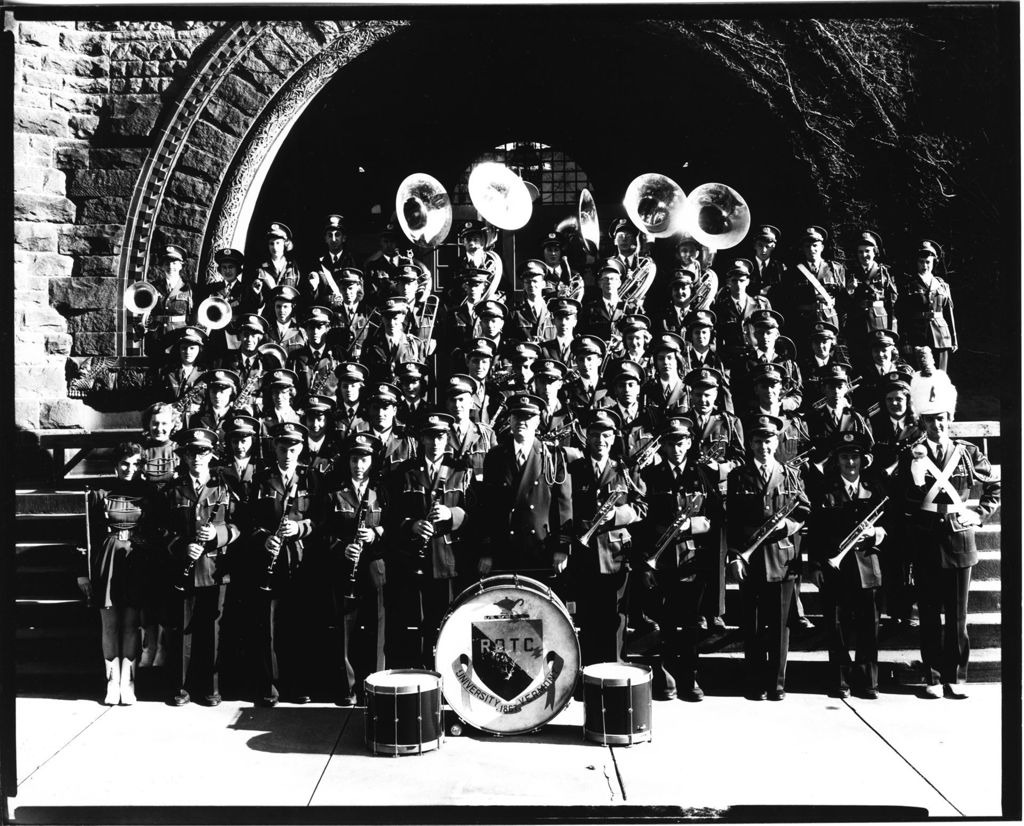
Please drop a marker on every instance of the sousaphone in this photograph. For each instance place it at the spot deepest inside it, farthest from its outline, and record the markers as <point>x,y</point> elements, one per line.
<point>424,210</point>
<point>716,216</point>
<point>213,313</point>
<point>653,203</point>
<point>587,224</point>
<point>500,196</point>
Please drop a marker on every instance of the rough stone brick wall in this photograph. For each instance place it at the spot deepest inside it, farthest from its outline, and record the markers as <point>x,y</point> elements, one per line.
<point>86,99</point>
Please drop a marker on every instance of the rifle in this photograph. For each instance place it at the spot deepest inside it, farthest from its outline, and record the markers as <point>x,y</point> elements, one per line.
<point>853,537</point>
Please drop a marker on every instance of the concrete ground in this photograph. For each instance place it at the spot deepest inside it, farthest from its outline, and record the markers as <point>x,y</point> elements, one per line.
<point>726,757</point>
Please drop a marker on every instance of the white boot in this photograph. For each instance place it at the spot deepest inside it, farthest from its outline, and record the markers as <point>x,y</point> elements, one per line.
<point>127,682</point>
<point>113,682</point>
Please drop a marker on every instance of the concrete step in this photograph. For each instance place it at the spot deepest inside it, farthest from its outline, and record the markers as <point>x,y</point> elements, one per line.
<point>47,553</point>
<point>46,582</point>
<point>985,596</point>
<point>40,501</point>
<point>989,565</point>
<point>987,537</point>
<point>51,528</point>
<point>66,613</point>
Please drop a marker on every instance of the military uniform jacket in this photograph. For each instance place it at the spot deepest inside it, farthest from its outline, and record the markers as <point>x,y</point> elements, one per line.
<point>721,439</point>
<point>802,305</point>
<point>529,509</point>
<point>671,319</point>
<point>794,439</point>
<point>289,276</point>
<point>611,546</point>
<point>890,441</point>
<point>636,429</point>
<point>871,388</point>
<point>290,336</point>
<point>667,498</point>
<point>240,479</point>
<point>340,520</point>
<point>353,324</point>
<point>823,426</point>
<point>792,380</point>
<point>381,356</point>
<point>872,300</point>
<point>579,397</point>
<point>555,349</point>
<point>750,502</point>
<point>179,385</point>
<point>597,320</point>
<point>730,319</point>
<point>183,511</point>
<point>528,325</point>
<point>265,510</point>
<point>314,368</point>
<point>765,277</point>
<point>344,421</point>
<point>662,403</point>
<point>811,373</point>
<point>925,314</point>
<point>834,515</point>
<point>250,372</point>
<point>411,494</point>
<point>399,445</point>
<point>469,450</point>
<point>931,534</point>
<point>332,266</point>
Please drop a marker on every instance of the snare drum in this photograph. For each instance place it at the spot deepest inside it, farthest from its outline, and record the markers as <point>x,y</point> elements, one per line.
<point>403,711</point>
<point>508,655</point>
<point>617,703</point>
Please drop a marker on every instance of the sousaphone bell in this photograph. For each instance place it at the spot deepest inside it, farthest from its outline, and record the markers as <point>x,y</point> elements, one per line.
<point>587,224</point>
<point>500,196</point>
<point>141,297</point>
<point>424,210</point>
<point>716,216</point>
<point>213,313</point>
<point>653,203</point>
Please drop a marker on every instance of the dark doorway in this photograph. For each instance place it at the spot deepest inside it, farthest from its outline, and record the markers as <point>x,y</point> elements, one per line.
<point>619,96</point>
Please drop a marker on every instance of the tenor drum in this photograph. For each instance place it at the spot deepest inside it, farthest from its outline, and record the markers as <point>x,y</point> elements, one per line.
<point>403,711</point>
<point>508,655</point>
<point>617,703</point>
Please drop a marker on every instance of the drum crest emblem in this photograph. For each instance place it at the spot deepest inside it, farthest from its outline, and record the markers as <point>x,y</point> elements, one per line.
<point>508,650</point>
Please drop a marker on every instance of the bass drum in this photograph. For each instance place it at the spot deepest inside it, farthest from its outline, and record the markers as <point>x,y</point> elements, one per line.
<point>508,655</point>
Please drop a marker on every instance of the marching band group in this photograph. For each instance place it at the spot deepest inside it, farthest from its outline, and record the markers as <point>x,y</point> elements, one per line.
<point>355,448</point>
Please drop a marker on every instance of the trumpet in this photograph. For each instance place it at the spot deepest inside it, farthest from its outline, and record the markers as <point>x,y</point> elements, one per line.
<point>607,506</point>
<point>673,530</point>
<point>643,454</point>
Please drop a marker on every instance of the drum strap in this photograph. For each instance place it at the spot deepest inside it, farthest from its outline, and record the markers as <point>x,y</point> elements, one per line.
<point>820,290</point>
<point>942,482</point>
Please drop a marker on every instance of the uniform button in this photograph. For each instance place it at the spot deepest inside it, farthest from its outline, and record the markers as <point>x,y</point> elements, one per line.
<point>532,530</point>
<point>531,507</point>
<point>536,483</point>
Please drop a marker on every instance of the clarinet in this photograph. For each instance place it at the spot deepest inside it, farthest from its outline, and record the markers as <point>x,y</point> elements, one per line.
<point>273,557</point>
<point>186,576</point>
<point>424,543</point>
<point>351,592</point>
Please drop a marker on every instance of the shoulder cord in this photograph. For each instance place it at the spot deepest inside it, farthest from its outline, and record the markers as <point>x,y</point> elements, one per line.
<point>551,474</point>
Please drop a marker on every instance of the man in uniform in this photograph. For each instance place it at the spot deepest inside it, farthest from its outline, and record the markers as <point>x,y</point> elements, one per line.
<point>584,391</point>
<point>227,284</point>
<point>284,329</point>
<point>313,363</point>
<point>767,349</point>
<point>933,483</point>
<point>605,502</point>
<point>280,270</point>
<point>413,379</point>
<point>672,319</point>
<point>733,309</point>
<point>823,355</point>
<point>479,355</point>
<point>556,418</point>
<point>601,315</point>
<point>763,557</point>
<point>392,345</point>
<point>530,319</point>
<point>428,515</point>
<point>558,274</point>
<point>924,308</point>
<point>836,415</point>
<point>349,396</point>
<point>636,425</point>
<point>381,408</point>
<point>199,525</point>
<point>564,315</point>
<point>468,441</point>
<point>666,394</point>
<point>527,496</point>
<point>883,359</point>
<point>381,266</point>
<point>463,324</point>
<point>332,263</point>
<point>701,351</point>
<point>768,271</point>
<point>252,330</point>
<point>692,255</point>
<point>814,288</point>
<point>181,377</point>
<point>352,316</point>
<point>872,297</point>
<point>682,506</point>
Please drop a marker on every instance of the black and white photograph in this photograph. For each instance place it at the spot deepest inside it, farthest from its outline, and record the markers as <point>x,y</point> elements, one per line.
<point>522,413</point>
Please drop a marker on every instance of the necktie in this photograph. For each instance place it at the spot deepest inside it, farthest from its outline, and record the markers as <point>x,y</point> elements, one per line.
<point>851,491</point>
<point>764,473</point>
<point>939,455</point>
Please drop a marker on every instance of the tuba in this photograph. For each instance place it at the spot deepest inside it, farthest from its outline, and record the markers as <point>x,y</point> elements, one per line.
<point>587,225</point>
<point>653,204</point>
<point>213,313</point>
<point>500,196</point>
<point>424,210</point>
<point>716,216</point>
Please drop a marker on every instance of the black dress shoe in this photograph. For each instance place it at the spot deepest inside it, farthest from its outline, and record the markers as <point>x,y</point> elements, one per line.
<point>665,695</point>
<point>842,693</point>
<point>756,695</point>
<point>348,700</point>
<point>868,694</point>
<point>776,695</point>
<point>268,702</point>
<point>301,699</point>
<point>211,700</point>
<point>718,623</point>
<point>692,695</point>
<point>180,699</point>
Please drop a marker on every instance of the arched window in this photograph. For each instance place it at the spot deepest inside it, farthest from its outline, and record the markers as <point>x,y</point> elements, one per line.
<point>554,173</point>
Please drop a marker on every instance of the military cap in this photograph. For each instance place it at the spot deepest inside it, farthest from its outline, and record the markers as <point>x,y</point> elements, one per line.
<point>622,225</point>
<point>526,404</point>
<point>667,341</point>
<point>351,371</point>
<point>221,378</point>
<point>317,315</point>
<point>460,383</point>
<point>520,352</point>
<point>364,443</point>
<point>626,370</point>
<point>552,239</point>
<point>682,275</point>
<point>633,322</point>
<point>550,369</point>
<point>384,392</point>
<point>880,338</point>
<point>766,318</point>
<point>470,227</point>
<point>604,418</point>
<point>684,239</point>
<point>848,440</point>
<point>254,322</point>
<point>767,424</point>
<point>532,268</point>
<point>350,275</point>
<point>279,230</point>
<point>822,329</point>
<point>869,238</point>
<point>926,247</point>
<point>766,232</point>
<point>477,275</point>
<point>389,231</point>
<point>564,306</point>
<point>739,268</point>
<point>408,271</point>
<point>481,347</point>
<point>284,293</point>
<point>489,307</point>
<point>700,318</point>
<point>835,373</point>
<point>241,426</point>
<point>319,404</point>
<point>435,423</point>
<point>395,306</point>
<point>613,265</point>
<point>411,370</point>
<point>191,335</point>
<point>279,377</point>
<point>676,428</point>
<point>766,374</point>
<point>587,345</point>
<point>227,255</point>
<point>335,222</point>
<point>703,377</point>
<point>172,252</point>
<point>292,432</point>
<point>897,380</point>
<point>201,438</point>
<point>812,234</point>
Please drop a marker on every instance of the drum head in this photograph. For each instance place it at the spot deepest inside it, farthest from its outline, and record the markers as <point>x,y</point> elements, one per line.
<point>508,655</point>
<point>402,681</point>
<point>616,673</point>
